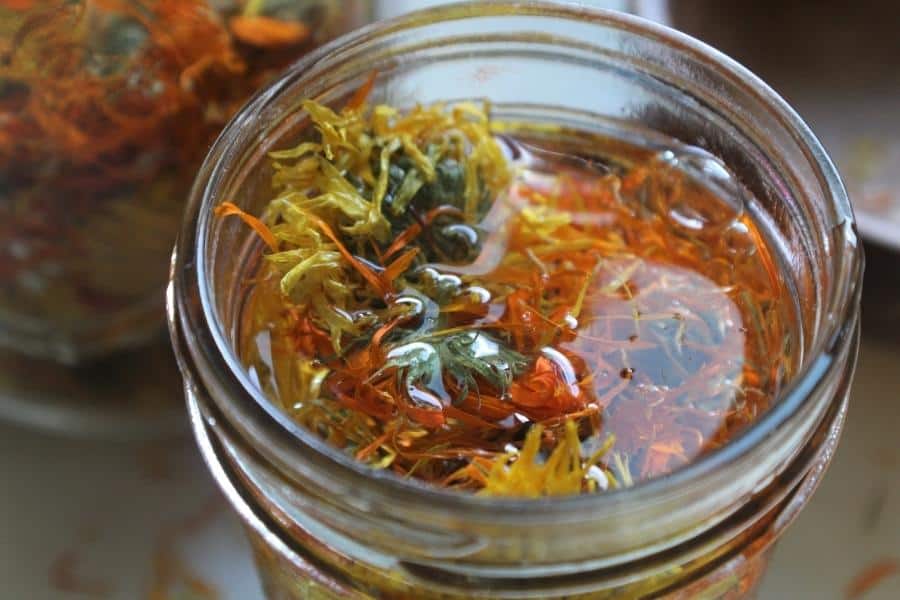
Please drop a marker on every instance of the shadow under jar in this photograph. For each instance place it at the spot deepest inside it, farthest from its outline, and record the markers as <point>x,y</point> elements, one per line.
<point>323,525</point>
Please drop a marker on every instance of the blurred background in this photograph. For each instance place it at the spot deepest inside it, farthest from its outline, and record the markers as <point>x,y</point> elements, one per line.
<point>103,494</point>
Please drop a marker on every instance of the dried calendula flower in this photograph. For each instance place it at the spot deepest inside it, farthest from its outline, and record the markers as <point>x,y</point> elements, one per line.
<point>266,32</point>
<point>565,471</point>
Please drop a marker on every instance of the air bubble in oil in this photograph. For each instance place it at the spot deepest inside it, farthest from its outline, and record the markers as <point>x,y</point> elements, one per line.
<point>738,241</point>
<point>709,198</point>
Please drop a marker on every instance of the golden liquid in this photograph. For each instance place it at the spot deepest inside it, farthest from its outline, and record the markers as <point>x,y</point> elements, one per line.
<point>635,283</point>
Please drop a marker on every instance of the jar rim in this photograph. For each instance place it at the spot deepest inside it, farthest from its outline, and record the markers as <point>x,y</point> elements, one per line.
<point>835,334</point>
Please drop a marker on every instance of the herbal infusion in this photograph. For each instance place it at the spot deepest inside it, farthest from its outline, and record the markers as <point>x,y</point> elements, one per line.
<point>478,305</point>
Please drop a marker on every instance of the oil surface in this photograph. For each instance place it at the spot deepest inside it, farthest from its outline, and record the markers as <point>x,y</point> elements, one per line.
<point>620,297</point>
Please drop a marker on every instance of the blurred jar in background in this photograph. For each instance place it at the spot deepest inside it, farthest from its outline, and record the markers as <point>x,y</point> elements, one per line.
<point>106,109</point>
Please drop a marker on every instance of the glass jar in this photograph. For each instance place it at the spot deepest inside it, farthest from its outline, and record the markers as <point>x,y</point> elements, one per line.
<point>107,109</point>
<point>324,526</point>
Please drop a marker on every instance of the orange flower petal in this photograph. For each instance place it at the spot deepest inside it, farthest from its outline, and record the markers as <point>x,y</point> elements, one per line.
<point>266,32</point>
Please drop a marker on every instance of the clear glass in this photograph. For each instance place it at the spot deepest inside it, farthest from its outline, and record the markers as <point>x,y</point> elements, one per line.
<point>324,526</point>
